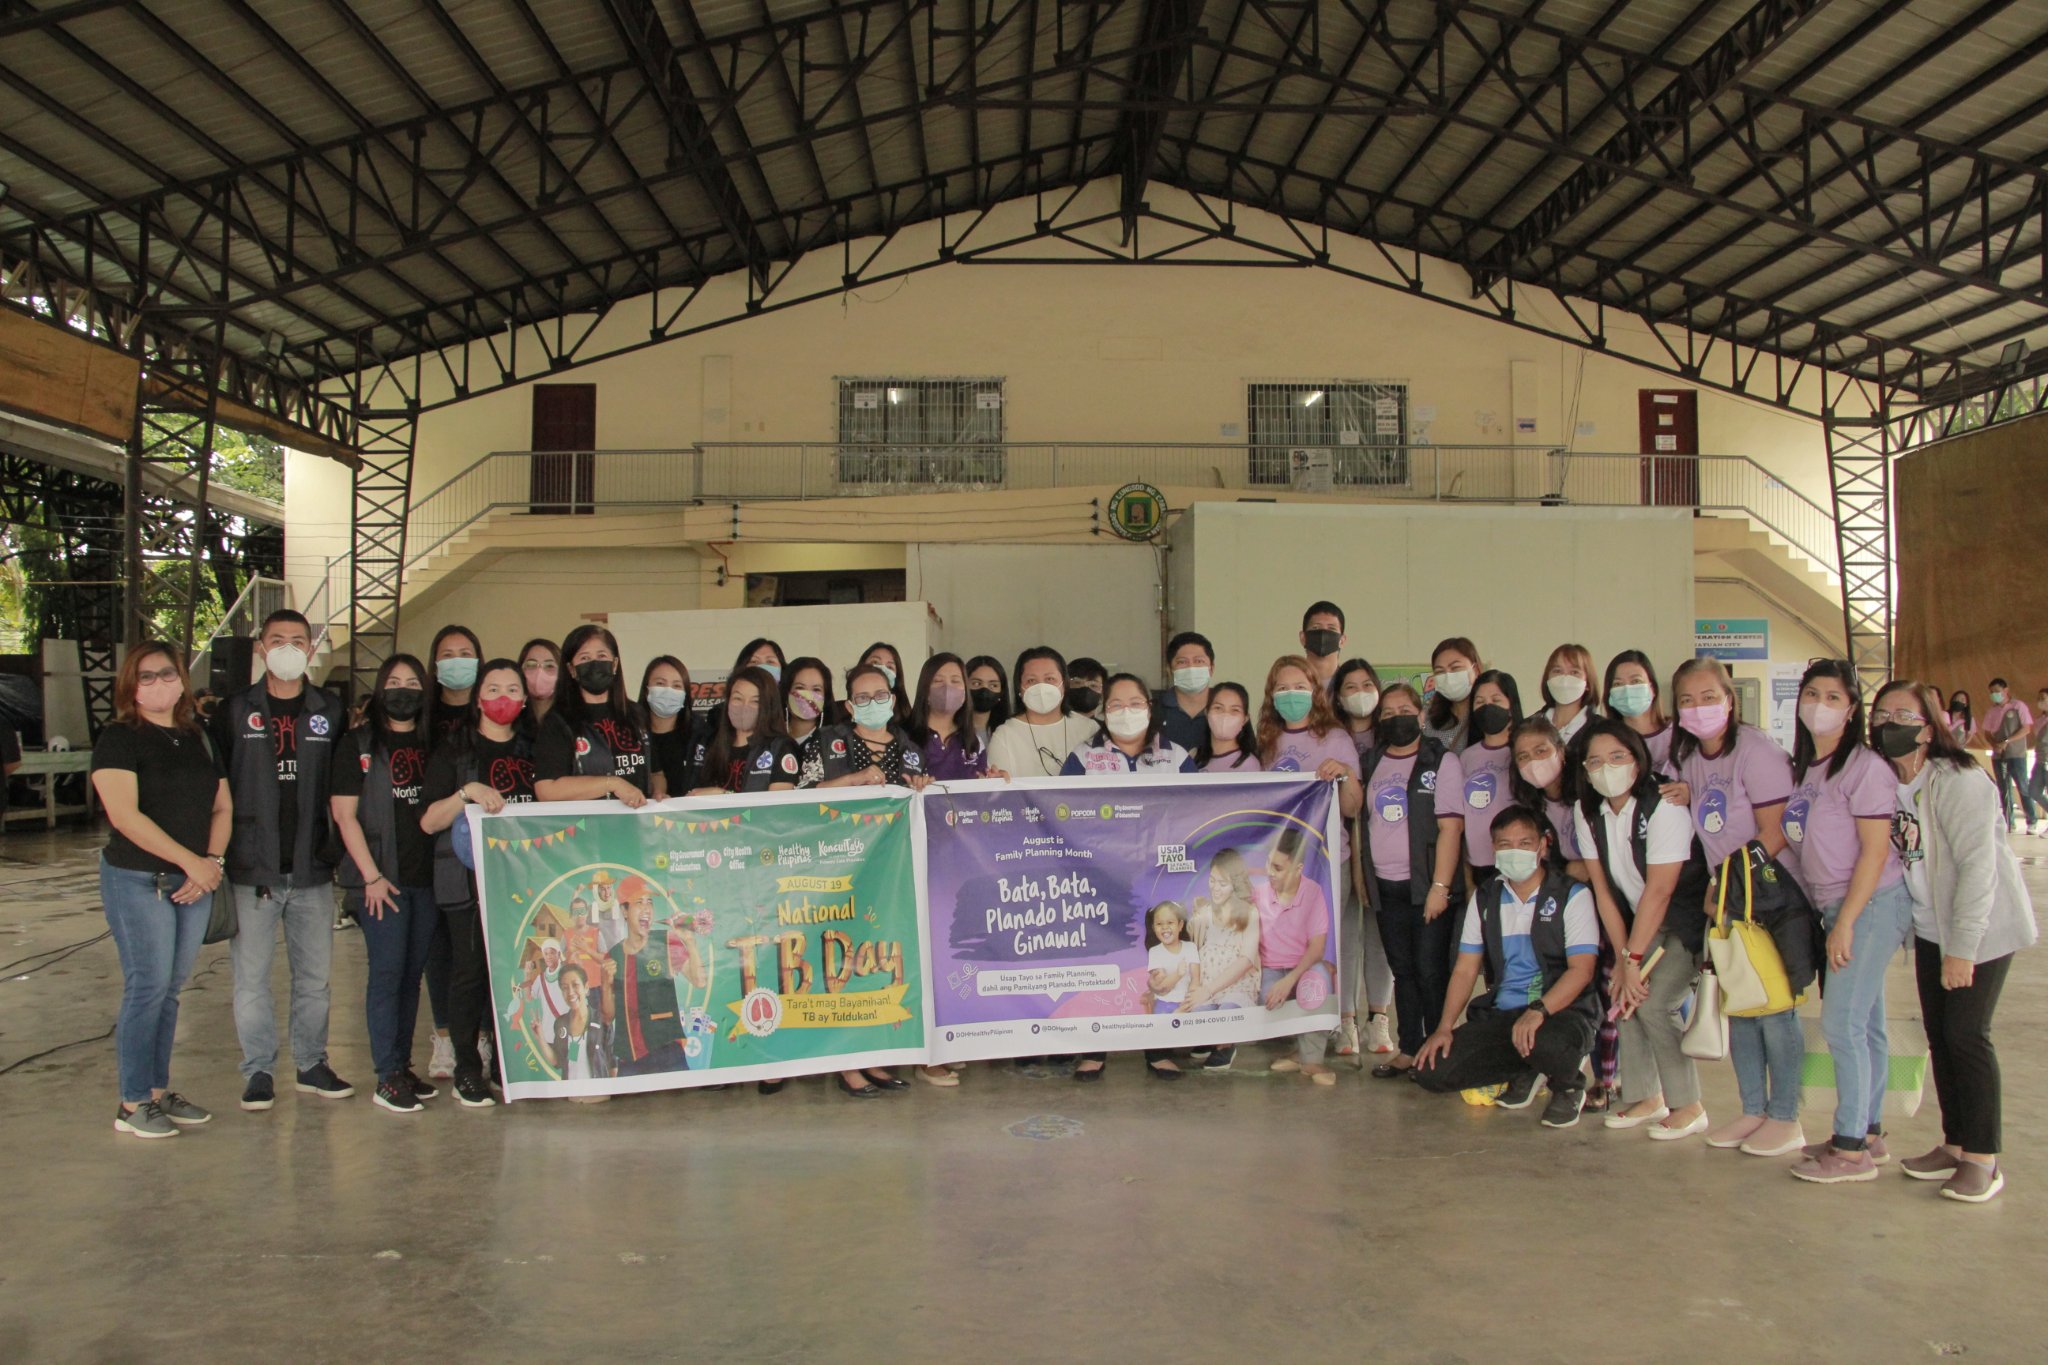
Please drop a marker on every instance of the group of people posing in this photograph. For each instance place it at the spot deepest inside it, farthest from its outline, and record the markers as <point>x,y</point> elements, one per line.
<point>1570,853</point>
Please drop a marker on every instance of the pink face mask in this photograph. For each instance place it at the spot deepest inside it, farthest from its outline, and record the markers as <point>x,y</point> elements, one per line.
<point>804,704</point>
<point>540,682</point>
<point>1541,772</point>
<point>948,697</point>
<point>1704,722</point>
<point>1225,726</point>
<point>1823,720</point>
<point>158,696</point>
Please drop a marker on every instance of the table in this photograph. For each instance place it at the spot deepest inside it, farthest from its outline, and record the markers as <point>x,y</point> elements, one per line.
<point>49,766</point>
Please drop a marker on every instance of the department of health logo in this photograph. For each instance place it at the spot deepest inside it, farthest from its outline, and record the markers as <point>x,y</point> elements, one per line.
<point>1137,511</point>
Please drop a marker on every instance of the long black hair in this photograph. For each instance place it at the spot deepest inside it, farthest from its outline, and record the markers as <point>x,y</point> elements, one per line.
<point>768,725</point>
<point>828,704</point>
<point>570,704</point>
<point>683,717</point>
<point>1003,708</point>
<point>1843,672</point>
<point>1637,657</point>
<point>920,728</point>
<point>904,709</point>
<point>1441,710</point>
<point>1505,681</point>
<point>1206,750</point>
<point>1153,720</point>
<point>1615,728</point>
<point>374,714</point>
<point>746,654</point>
<point>435,717</point>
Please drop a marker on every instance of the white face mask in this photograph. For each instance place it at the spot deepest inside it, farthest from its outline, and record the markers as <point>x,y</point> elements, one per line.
<point>1822,719</point>
<point>1361,704</point>
<point>1043,696</point>
<point>1516,864</point>
<point>1455,685</point>
<point>1567,688</point>
<point>1129,723</point>
<point>286,663</point>
<point>1616,779</point>
<point>1541,772</point>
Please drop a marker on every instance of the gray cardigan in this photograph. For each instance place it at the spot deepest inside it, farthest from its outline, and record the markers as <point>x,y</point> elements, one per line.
<point>1981,906</point>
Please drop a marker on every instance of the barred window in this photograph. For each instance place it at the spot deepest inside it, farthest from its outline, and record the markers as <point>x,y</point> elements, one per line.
<point>931,431</point>
<point>1361,423</point>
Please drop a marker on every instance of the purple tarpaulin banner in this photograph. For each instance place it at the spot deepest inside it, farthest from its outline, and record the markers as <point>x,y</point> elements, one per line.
<point>1095,914</point>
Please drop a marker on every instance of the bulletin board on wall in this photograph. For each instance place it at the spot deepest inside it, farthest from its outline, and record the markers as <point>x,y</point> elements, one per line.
<point>1972,591</point>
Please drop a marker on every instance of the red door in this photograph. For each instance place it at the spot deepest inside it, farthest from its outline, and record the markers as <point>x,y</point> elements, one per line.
<point>564,475</point>
<point>1669,421</point>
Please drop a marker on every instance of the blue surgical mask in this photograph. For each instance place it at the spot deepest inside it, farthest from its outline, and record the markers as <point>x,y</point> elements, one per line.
<point>1293,706</point>
<point>455,674</point>
<point>876,715</point>
<point>1516,864</point>
<point>1190,680</point>
<point>1631,699</point>
<point>888,673</point>
<point>772,670</point>
<point>666,701</point>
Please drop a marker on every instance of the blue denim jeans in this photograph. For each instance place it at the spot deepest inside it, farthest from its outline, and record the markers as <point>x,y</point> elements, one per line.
<point>398,944</point>
<point>158,941</point>
<point>1852,1009</point>
<point>307,914</point>
<point>2012,784</point>
<point>1769,1054</point>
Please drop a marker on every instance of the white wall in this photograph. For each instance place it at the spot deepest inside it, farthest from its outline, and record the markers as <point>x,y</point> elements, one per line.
<point>1517,581</point>
<point>510,597</point>
<point>317,511</point>
<point>1100,600</point>
<point>707,641</point>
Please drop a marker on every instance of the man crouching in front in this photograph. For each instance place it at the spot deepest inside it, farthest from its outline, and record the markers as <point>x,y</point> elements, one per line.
<point>1536,931</point>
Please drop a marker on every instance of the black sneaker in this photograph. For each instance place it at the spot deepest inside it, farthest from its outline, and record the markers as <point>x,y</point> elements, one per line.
<point>471,1090</point>
<point>421,1090</point>
<point>1521,1092</point>
<point>259,1093</point>
<point>1563,1109</point>
<point>395,1094</point>
<point>319,1079</point>
<point>1219,1059</point>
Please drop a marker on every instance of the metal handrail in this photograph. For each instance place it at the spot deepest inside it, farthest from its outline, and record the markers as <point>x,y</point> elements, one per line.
<point>797,471</point>
<point>242,616</point>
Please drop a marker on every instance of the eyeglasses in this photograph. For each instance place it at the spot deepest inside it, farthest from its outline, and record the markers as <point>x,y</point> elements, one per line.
<point>1127,707</point>
<point>158,675</point>
<point>863,698</point>
<point>1897,718</point>
<point>1594,764</point>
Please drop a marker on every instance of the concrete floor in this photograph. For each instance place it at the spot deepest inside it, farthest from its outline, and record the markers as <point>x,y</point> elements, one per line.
<point>1236,1216</point>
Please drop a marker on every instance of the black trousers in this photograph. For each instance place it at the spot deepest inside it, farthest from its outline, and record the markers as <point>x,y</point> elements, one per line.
<point>469,994</point>
<point>1420,956</point>
<point>1152,1054</point>
<point>1483,1052</point>
<point>1959,1048</point>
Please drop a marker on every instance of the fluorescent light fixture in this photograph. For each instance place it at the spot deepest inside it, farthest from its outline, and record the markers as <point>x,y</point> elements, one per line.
<point>1312,399</point>
<point>2013,356</point>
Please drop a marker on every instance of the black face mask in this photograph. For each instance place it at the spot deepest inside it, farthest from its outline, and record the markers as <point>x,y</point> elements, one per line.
<point>1896,741</point>
<point>1084,698</point>
<point>1493,719</point>
<point>1321,643</point>
<point>984,700</point>
<point>595,675</point>
<point>402,703</point>
<point>1396,731</point>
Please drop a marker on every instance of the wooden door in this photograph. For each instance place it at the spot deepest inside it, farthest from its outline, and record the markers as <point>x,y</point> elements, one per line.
<point>563,477</point>
<point>1669,422</point>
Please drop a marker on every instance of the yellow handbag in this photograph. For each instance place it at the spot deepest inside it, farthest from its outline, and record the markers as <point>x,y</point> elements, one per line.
<point>1745,956</point>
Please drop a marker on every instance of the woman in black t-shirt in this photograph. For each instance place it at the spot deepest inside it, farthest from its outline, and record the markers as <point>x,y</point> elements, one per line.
<point>487,763</point>
<point>167,800</point>
<point>594,742</point>
<point>387,879</point>
<point>749,749</point>
<point>665,701</point>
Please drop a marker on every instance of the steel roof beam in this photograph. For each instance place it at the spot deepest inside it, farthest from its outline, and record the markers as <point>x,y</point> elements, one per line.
<point>1166,30</point>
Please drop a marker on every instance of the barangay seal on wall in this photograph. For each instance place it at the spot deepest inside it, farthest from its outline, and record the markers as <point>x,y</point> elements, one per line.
<point>1137,511</point>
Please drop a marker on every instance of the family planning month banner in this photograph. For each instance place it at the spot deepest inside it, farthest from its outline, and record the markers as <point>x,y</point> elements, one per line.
<point>1099,914</point>
<point>699,942</point>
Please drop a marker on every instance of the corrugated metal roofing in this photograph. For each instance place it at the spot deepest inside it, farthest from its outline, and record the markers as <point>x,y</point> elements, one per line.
<point>1864,174</point>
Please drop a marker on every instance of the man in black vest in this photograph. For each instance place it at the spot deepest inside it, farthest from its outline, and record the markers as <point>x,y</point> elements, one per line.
<point>276,740</point>
<point>1538,935</point>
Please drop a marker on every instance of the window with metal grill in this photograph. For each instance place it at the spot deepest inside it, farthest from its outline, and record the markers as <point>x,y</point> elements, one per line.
<point>931,431</point>
<point>1361,425</point>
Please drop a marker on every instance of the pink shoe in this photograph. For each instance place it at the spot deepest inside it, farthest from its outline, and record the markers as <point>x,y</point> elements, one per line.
<point>1776,1138</point>
<point>1834,1167</point>
<point>1736,1133</point>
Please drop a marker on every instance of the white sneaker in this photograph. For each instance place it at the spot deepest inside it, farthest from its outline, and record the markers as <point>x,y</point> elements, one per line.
<point>1345,1039</point>
<point>487,1050</point>
<point>1379,1039</point>
<point>441,1066</point>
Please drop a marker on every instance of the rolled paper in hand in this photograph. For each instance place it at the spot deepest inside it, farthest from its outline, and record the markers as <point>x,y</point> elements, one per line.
<point>1614,1012</point>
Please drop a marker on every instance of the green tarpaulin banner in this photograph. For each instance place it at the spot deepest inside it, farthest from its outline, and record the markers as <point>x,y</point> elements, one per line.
<point>701,943</point>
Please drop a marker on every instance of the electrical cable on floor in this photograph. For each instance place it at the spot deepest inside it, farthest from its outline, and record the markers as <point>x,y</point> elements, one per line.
<point>64,951</point>
<point>76,1042</point>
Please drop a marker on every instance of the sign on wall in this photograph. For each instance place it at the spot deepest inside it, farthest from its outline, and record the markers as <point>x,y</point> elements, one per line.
<point>1732,637</point>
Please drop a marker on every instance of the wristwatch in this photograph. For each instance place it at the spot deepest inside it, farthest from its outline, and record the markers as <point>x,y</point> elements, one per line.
<point>1541,1008</point>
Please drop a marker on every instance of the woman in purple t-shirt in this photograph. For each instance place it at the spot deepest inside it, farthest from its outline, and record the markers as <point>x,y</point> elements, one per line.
<point>1356,687</point>
<point>1838,828</point>
<point>1633,695</point>
<point>1223,748</point>
<point>1739,783</point>
<point>1496,711</point>
<point>1299,733</point>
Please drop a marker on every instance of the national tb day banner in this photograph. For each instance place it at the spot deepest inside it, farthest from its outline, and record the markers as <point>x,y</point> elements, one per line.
<point>1094,915</point>
<point>700,942</point>
<point>704,941</point>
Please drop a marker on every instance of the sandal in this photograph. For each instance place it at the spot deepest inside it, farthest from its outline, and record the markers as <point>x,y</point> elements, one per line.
<point>939,1075</point>
<point>1387,1071</point>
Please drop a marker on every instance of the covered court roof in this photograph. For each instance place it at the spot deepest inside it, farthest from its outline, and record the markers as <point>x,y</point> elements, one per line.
<point>1856,185</point>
